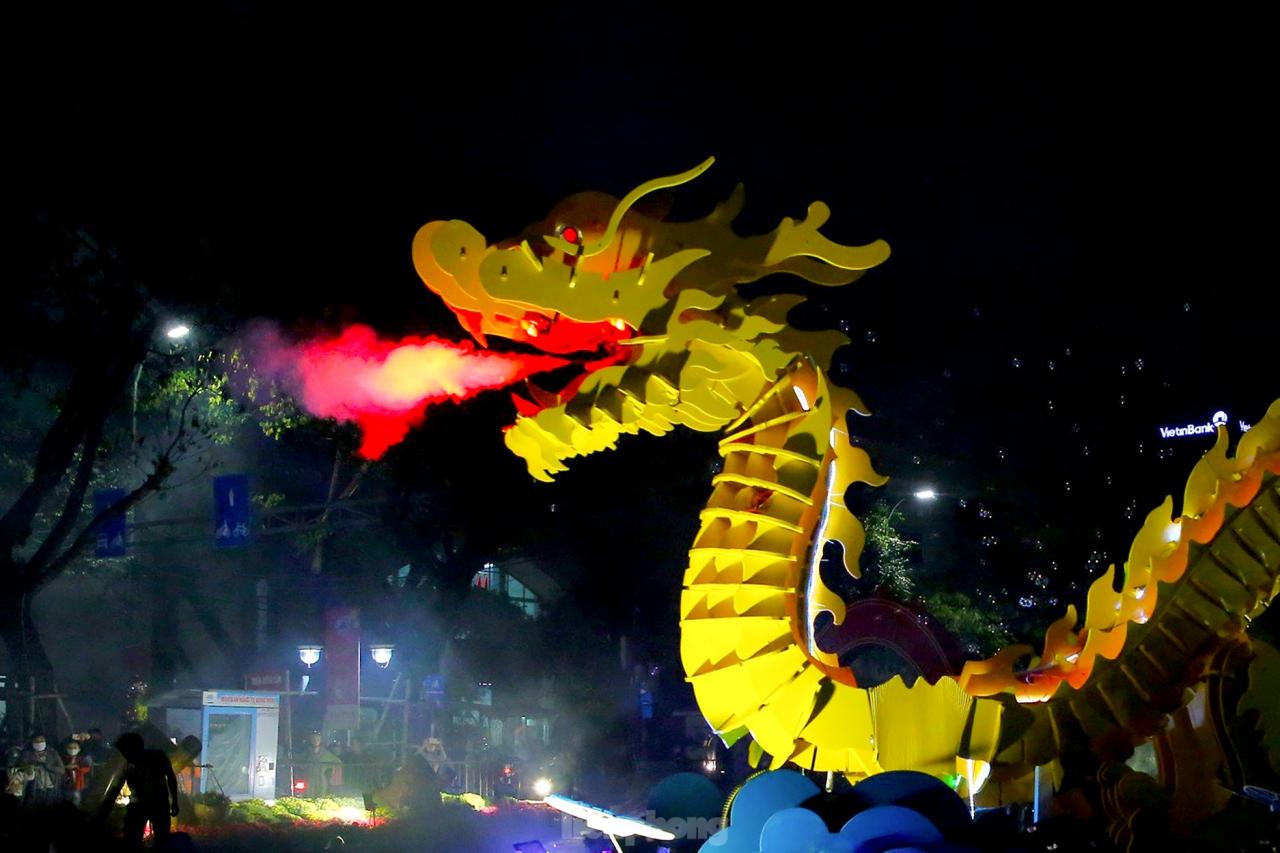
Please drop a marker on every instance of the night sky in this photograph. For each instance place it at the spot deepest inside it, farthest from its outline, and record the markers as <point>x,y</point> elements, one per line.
<point>1078,207</point>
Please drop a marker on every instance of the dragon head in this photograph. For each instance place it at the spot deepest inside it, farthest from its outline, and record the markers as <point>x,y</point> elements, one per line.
<point>646,310</point>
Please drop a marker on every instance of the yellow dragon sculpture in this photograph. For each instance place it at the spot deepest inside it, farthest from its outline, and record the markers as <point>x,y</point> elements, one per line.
<point>650,313</point>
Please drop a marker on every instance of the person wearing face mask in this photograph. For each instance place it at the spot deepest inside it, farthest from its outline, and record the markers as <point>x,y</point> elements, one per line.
<point>79,766</point>
<point>48,784</point>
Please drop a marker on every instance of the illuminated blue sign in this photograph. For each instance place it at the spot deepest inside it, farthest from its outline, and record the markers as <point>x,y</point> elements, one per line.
<point>231,510</point>
<point>113,540</point>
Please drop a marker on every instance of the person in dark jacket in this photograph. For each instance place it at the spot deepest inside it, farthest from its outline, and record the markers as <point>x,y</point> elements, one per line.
<point>95,746</point>
<point>48,785</point>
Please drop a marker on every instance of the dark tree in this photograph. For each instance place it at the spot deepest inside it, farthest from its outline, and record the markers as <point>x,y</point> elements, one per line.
<point>82,415</point>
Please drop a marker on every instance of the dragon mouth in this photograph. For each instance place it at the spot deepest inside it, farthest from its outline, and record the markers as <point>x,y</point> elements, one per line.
<point>557,386</point>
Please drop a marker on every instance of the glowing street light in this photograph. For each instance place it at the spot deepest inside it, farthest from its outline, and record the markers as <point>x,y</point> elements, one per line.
<point>310,654</point>
<point>381,653</point>
<point>925,495</point>
<point>177,332</point>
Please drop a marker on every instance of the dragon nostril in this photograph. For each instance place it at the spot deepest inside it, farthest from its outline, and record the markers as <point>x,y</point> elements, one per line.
<point>462,251</point>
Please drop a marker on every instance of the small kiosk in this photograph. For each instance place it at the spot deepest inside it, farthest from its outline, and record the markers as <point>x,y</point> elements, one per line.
<point>240,731</point>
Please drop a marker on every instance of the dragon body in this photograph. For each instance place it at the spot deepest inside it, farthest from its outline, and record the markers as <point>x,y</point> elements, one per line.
<point>649,312</point>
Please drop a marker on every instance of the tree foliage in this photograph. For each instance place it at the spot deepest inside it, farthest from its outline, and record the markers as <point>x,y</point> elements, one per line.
<point>979,630</point>
<point>888,552</point>
<point>887,559</point>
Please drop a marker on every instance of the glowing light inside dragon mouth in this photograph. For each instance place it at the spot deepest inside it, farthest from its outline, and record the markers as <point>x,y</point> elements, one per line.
<point>555,387</point>
<point>562,335</point>
<point>584,348</point>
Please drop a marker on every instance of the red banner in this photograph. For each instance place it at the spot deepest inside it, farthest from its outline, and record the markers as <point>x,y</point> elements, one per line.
<point>342,668</point>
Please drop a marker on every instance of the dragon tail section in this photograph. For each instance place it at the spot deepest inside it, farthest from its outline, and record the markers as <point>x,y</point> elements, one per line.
<point>1176,566</point>
<point>1190,589</point>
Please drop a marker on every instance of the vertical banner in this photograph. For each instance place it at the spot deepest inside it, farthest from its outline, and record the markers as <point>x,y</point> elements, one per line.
<point>646,704</point>
<point>231,510</point>
<point>342,668</point>
<point>433,690</point>
<point>113,538</point>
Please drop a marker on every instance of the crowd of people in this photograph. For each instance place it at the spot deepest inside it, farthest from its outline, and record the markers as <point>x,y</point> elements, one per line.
<point>46,797</point>
<point>39,773</point>
<point>42,773</point>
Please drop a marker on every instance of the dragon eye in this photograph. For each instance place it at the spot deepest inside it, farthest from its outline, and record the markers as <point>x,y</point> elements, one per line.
<point>570,234</point>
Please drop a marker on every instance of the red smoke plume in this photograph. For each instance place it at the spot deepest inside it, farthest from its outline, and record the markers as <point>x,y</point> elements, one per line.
<point>386,386</point>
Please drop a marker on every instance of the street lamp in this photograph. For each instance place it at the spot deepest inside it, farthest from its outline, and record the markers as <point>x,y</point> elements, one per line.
<point>924,494</point>
<point>310,654</point>
<point>175,332</point>
<point>381,653</point>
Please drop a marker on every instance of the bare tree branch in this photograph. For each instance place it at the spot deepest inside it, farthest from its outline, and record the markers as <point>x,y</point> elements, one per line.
<point>181,431</point>
<point>161,471</point>
<point>93,387</point>
<point>74,503</point>
<point>56,451</point>
<point>78,545</point>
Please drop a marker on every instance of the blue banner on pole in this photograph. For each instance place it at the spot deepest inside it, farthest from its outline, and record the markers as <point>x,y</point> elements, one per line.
<point>113,538</point>
<point>433,690</point>
<point>231,510</point>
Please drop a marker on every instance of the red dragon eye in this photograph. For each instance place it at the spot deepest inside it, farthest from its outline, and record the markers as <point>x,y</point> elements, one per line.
<point>570,234</point>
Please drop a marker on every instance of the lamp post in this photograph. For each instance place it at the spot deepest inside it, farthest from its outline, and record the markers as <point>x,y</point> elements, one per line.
<point>381,653</point>
<point>309,654</point>
<point>929,532</point>
<point>177,332</point>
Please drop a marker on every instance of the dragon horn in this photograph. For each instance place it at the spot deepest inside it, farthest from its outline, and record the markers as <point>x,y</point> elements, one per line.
<point>638,193</point>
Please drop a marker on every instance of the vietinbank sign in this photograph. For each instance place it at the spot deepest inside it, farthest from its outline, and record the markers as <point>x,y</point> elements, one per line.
<point>1219,418</point>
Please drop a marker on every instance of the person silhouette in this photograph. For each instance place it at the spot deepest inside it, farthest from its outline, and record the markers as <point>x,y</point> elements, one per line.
<point>153,791</point>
